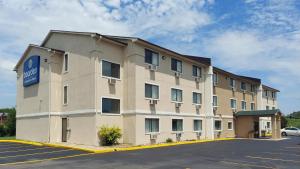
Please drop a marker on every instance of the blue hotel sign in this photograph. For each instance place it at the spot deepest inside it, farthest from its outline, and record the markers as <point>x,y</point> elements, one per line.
<point>31,71</point>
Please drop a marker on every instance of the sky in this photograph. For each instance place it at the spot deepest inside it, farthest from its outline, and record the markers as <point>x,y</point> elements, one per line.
<point>248,37</point>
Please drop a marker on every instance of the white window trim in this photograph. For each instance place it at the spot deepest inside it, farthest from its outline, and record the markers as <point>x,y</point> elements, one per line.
<point>151,83</point>
<point>148,133</point>
<point>236,105</point>
<point>231,125</point>
<point>221,124</point>
<point>108,77</point>
<point>111,114</point>
<point>68,89</point>
<point>181,94</point>
<point>64,65</point>
<point>193,98</point>
<point>177,118</point>
<point>158,53</point>
<point>201,125</point>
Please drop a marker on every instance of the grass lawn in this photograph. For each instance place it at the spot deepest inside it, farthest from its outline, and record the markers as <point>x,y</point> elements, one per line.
<point>293,122</point>
<point>8,138</point>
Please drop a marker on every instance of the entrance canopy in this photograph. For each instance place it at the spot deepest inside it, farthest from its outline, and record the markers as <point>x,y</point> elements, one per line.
<point>260,113</point>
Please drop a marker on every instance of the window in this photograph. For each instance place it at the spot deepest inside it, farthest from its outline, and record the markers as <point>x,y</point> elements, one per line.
<point>273,108</point>
<point>151,125</point>
<point>176,95</point>
<point>197,98</point>
<point>266,93</point>
<point>66,62</point>
<point>252,106</point>
<point>215,101</point>
<point>110,69</point>
<point>151,57</point>
<point>215,78</point>
<point>177,124</point>
<point>65,94</point>
<point>267,107</point>
<point>218,125</point>
<point>243,86</point>
<point>176,65</point>
<point>151,91</point>
<point>197,72</point>
<point>233,103</point>
<point>273,95</point>
<point>197,125</point>
<point>110,105</point>
<point>253,88</point>
<point>232,82</point>
<point>268,124</point>
<point>244,105</point>
<point>229,125</point>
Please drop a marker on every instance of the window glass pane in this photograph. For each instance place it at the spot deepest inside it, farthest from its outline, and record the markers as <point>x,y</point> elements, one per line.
<point>174,64</point>
<point>155,58</point>
<point>147,125</point>
<point>179,66</point>
<point>115,70</point>
<point>197,125</point>
<point>179,95</point>
<point>194,70</point>
<point>106,68</point>
<point>110,105</point>
<point>215,78</point>
<point>215,101</point>
<point>229,125</point>
<point>218,125</point>
<point>148,91</point>
<point>176,125</point>
<point>148,56</point>
<point>65,94</point>
<point>66,62</point>
<point>151,125</point>
<point>173,93</point>
<point>155,93</point>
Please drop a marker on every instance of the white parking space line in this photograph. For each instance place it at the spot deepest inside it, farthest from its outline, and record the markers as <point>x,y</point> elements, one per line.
<point>272,159</point>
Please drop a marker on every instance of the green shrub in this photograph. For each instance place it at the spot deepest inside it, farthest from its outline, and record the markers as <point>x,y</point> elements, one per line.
<point>109,135</point>
<point>3,131</point>
<point>169,140</point>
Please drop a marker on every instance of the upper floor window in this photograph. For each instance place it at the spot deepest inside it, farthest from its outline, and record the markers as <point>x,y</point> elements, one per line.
<point>229,125</point>
<point>65,95</point>
<point>151,57</point>
<point>197,71</point>
<point>215,101</point>
<point>176,95</point>
<point>151,125</point>
<point>233,103</point>
<point>197,125</point>
<point>253,88</point>
<point>197,98</point>
<point>252,106</point>
<point>273,95</point>
<point>267,108</point>
<point>177,124</point>
<point>273,108</point>
<point>243,86</point>
<point>266,93</point>
<point>215,78</point>
<point>110,69</point>
<point>244,105</point>
<point>232,83</point>
<point>66,62</point>
<point>110,105</point>
<point>218,125</point>
<point>176,65</point>
<point>151,91</point>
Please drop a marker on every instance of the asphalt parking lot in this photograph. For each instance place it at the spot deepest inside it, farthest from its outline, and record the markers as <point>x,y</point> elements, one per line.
<point>223,154</point>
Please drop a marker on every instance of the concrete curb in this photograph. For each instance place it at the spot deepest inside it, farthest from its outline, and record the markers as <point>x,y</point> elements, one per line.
<point>116,149</point>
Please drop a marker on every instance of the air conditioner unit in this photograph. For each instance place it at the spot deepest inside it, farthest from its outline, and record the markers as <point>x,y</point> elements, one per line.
<point>177,74</point>
<point>197,79</point>
<point>215,108</point>
<point>215,83</point>
<point>152,102</point>
<point>198,106</point>
<point>153,136</point>
<point>198,133</point>
<point>152,67</point>
<point>112,81</point>
<point>178,135</point>
<point>233,89</point>
<point>244,91</point>
<point>234,110</point>
<point>177,105</point>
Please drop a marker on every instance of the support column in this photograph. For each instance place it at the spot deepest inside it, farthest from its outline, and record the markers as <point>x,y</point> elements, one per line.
<point>274,127</point>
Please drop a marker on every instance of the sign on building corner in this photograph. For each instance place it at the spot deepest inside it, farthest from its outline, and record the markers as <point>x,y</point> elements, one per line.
<point>31,71</point>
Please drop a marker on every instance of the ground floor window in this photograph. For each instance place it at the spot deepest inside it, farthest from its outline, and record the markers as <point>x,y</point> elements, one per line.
<point>197,125</point>
<point>177,124</point>
<point>268,125</point>
<point>218,125</point>
<point>110,105</point>
<point>229,125</point>
<point>151,125</point>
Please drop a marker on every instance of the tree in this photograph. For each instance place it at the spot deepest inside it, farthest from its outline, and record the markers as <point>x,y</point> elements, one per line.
<point>10,124</point>
<point>284,122</point>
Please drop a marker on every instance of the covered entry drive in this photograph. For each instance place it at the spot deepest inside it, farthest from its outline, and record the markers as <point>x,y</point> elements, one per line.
<point>247,123</point>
